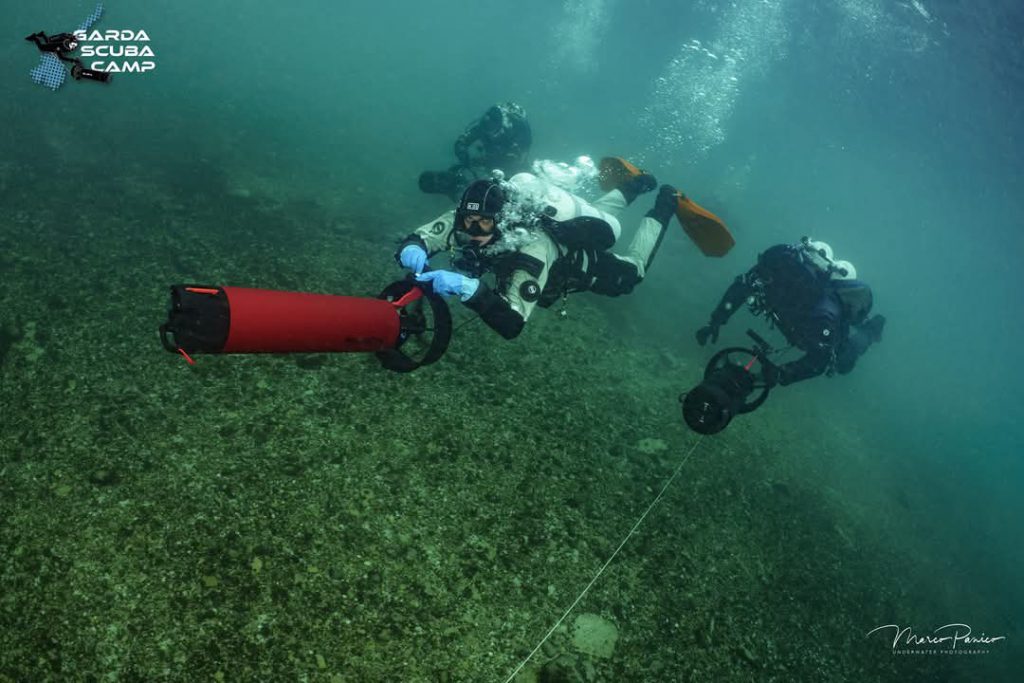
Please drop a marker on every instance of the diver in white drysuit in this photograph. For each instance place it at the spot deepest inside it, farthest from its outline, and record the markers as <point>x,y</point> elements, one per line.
<point>539,242</point>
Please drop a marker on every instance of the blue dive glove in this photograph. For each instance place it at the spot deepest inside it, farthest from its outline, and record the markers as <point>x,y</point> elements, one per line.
<point>413,257</point>
<point>447,283</point>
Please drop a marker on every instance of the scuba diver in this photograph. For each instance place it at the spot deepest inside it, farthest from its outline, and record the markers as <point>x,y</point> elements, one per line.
<point>815,300</point>
<point>57,48</point>
<point>540,242</point>
<point>500,138</point>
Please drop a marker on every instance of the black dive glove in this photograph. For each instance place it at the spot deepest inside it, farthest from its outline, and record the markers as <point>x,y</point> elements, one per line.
<point>719,317</point>
<point>708,331</point>
<point>771,373</point>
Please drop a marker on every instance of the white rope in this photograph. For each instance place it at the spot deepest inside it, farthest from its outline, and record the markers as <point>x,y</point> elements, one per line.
<point>607,562</point>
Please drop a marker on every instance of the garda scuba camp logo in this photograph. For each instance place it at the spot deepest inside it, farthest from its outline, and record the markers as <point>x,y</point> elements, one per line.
<point>91,54</point>
<point>117,51</point>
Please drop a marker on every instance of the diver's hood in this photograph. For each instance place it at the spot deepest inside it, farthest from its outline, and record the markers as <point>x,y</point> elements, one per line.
<point>483,198</point>
<point>500,118</point>
<point>493,121</point>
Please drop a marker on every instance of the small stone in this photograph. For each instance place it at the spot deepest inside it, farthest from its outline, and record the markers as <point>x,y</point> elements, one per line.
<point>211,581</point>
<point>257,565</point>
<point>62,490</point>
<point>650,446</point>
<point>321,663</point>
<point>594,635</point>
<point>104,477</point>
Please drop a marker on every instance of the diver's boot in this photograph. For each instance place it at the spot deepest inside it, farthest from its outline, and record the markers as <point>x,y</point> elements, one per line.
<point>615,173</point>
<point>636,186</point>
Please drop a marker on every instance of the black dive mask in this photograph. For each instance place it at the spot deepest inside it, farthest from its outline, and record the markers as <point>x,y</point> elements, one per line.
<point>464,234</point>
<point>474,229</point>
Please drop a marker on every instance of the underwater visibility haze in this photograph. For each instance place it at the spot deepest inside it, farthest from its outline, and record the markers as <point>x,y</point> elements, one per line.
<point>532,509</point>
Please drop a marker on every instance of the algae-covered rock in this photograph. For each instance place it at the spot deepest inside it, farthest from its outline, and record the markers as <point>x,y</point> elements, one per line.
<point>594,635</point>
<point>650,446</point>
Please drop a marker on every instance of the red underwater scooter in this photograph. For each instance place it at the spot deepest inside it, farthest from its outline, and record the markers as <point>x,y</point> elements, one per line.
<point>407,326</point>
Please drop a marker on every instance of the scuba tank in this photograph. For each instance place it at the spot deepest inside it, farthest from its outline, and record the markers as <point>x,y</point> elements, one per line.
<point>575,177</point>
<point>557,204</point>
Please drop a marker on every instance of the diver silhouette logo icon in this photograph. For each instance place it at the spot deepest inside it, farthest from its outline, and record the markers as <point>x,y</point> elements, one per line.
<point>56,49</point>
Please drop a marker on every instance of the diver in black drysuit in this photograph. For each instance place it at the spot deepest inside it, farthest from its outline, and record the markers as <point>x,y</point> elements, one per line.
<point>816,302</point>
<point>61,45</point>
<point>500,139</point>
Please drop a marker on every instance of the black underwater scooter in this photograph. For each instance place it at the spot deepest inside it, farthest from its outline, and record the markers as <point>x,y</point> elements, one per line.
<point>407,326</point>
<point>729,387</point>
